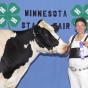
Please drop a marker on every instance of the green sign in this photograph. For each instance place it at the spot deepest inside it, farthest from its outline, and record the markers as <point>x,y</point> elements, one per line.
<point>78,11</point>
<point>9,15</point>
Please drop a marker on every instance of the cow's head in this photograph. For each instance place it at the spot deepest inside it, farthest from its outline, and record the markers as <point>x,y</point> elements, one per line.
<point>47,39</point>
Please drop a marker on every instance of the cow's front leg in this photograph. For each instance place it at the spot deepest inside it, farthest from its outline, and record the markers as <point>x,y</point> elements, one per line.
<point>16,77</point>
<point>11,82</point>
<point>2,81</point>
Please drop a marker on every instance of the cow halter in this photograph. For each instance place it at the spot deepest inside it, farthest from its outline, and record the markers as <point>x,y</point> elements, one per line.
<point>58,38</point>
<point>37,39</point>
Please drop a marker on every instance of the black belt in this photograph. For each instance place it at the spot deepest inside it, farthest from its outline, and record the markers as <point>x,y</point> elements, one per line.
<point>75,53</point>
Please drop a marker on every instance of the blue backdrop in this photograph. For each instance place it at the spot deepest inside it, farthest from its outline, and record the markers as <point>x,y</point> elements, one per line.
<point>47,71</point>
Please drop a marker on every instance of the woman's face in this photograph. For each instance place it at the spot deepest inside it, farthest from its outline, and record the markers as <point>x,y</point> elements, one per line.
<point>80,27</point>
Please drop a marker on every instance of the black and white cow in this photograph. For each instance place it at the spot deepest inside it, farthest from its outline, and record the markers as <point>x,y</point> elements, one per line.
<point>19,49</point>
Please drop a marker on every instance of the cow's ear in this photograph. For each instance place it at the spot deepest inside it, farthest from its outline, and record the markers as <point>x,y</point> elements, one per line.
<point>55,26</point>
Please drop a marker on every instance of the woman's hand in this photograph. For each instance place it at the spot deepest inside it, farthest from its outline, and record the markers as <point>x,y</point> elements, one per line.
<point>67,49</point>
<point>85,43</point>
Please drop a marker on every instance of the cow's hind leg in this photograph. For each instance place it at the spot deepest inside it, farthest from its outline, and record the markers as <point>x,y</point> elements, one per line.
<point>16,77</point>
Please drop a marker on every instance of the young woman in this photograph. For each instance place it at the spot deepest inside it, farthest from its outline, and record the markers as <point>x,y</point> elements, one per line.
<point>78,58</point>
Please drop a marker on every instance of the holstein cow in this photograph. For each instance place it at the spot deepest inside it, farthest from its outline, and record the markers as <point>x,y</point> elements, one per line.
<point>18,49</point>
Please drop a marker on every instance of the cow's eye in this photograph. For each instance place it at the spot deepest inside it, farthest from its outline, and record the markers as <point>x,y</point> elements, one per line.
<point>45,34</point>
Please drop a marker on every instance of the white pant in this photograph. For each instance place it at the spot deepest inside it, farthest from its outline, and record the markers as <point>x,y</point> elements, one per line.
<point>78,79</point>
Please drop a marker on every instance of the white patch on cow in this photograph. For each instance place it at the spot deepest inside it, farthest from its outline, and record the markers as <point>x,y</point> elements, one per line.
<point>26,45</point>
<point>4,36</point>
<point>43,24</point>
